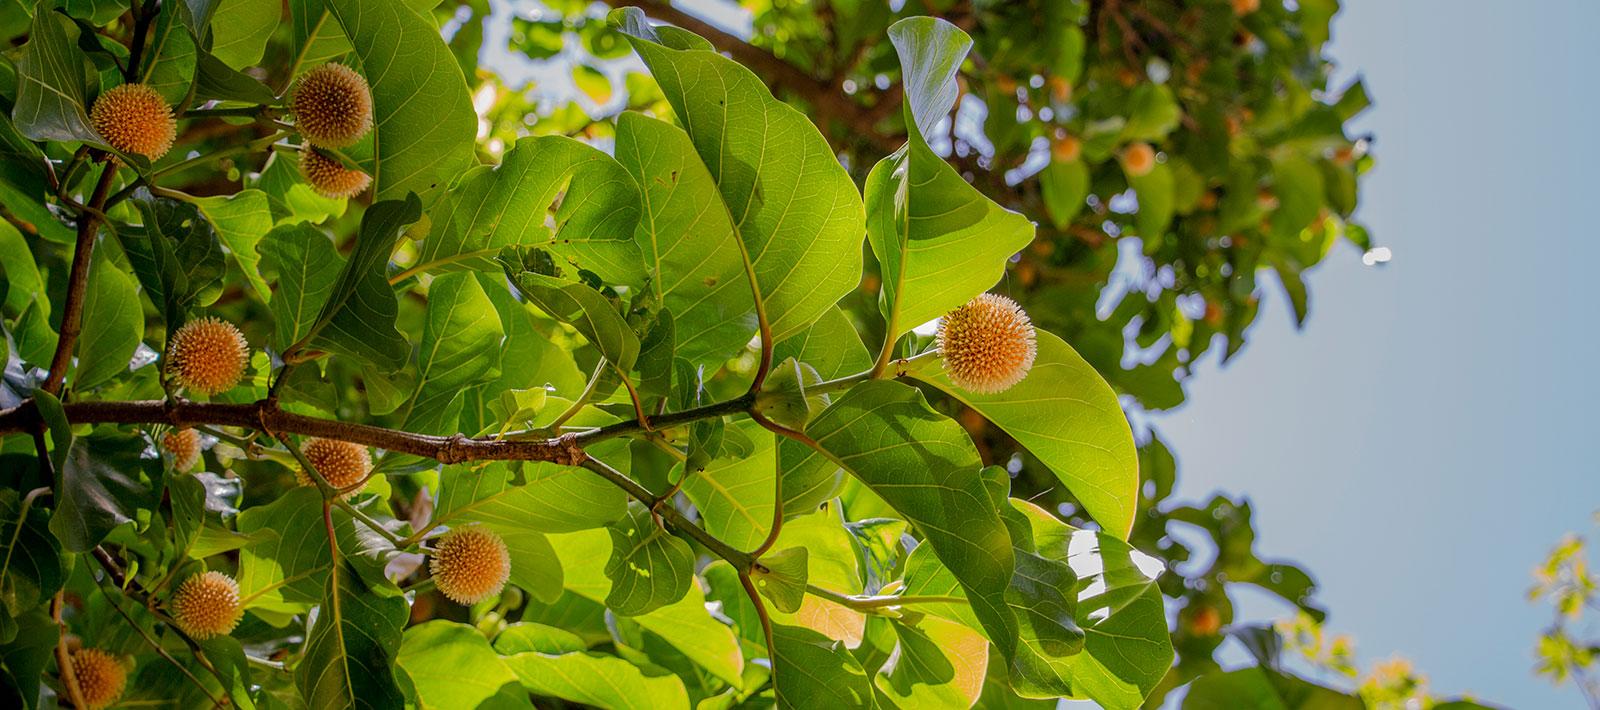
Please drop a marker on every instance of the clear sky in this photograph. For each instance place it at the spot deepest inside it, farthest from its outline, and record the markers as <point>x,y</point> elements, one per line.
<point>1429,435</point>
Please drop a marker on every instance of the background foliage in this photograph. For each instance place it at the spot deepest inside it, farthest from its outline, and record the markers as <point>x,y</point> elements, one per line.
<point>1140,274</point>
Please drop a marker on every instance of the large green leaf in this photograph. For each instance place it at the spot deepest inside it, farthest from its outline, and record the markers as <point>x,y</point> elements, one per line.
<point>541,497</point>
<point>923,465</point>
<point>734,493</point>
<point>349,655</point>
<point>939,663</point>
<point>241,220</point>
<point>113,324</point>
<point>1127,650</point>
<point>99,489</point>
<point>30,558</point>
<point>461,337</point>
<point>940,242</point>
<point>510,205</point>
<point>597,679</point>
<point>287,557</point>
<point>358,318</point>
<point>1259,688</point>
<point>423,122</point>
<point>242,38</point>
<point>795,208</point>
<point>685,625</point>
<point>452,668</point>
<point>810,670</point>
<point>52,95</point>
<point>315,34</point>
<point>832,348</point>
<point>649,568</point>
<point>690,243</point>
<point>176,255</point>
<point>303,263</point>
<point>170,59</point>
<point>582,307</point>
<point>1069,418</point>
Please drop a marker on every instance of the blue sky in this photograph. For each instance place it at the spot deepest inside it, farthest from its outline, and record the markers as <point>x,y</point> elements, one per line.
<point>1426,439</point>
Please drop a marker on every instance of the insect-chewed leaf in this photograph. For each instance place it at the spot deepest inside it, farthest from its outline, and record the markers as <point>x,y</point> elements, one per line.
<point>939,240</point>
<point>793,205</point>
<point>649,568</point>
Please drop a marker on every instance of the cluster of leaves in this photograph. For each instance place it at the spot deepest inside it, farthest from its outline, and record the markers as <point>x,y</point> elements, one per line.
<point>1255,183</point>
<point>784,514</point>
<point>1566,650</point>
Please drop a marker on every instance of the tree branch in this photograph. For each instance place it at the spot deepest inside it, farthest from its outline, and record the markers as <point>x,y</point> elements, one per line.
<point>78,280</point>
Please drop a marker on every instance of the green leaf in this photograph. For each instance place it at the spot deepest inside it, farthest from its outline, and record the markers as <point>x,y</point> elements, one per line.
<point>170,60</point>
<point>597,679</point>
<point>794,206</point>
<point>52,95</point>
<point>692,248</point>
<point>1069,418</point>
<point>939,240</point>
<point>582,307</point>
<point>113,324</point>
<point>99,489</point>
<point>649,568</point>
<point>734,493</point>
<point>241,220</point>
<point>1262,689</point>
<point>358,318</point>
<point>27,655</point>
<point>176,255</point>
<point>685,624</point>
<point>303,263</point>
<point>833,563</point>
<point>30,558</point>
<point>534,565</point>
<point>939,663</point>
<point>1152,113</point>
<point>1156,200</point>
<point>833,348</point>
<point>923,465</point>
<point>1119,607</point>
<point>349,655</point>
<point>452,667</point>
<point>461,339</point>
<point>214,80</point>
<point>810,670</point>
<point>1064,185</point>
<point>510,205</point>
<point>542,497</point>
<point>424,124</point>
<point>22,282</point>
<point>784,582</point>
<point>242,39</point>
<point>284,565</point>
<point>316,35</point>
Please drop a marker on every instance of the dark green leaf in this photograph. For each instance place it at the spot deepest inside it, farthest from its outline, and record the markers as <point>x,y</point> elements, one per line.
<point>305,266</point>
<point>351,650</point>
<point>52,96</point>
<point>99,489</point>
<point>584,308</point>
<point>113,324</point>
<point>810,670</point>
<point>358,318</point>
<point>30,558</point>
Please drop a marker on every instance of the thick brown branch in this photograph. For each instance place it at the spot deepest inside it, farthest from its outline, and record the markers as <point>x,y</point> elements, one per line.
<point>78,280</point>
<point>264,415</point>
<point>778,74</point>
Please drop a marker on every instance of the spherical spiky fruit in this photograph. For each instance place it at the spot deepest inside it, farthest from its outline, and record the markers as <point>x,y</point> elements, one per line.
<point>988,345</point>
<point>207,605</point>
<point>329,177</point>
<point>133,118</point>
<point>332,106</point>
<point>1138,159</point>
<point>100,675</point>
<point>470,565</point>
<point>207,355</point>
<point>341,463</point>
<point>184,445</point>
<point>1245,7</point>
<point>1066,149</point>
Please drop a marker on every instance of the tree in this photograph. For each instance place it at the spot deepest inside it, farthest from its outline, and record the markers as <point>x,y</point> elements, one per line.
<point>333,372</point>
